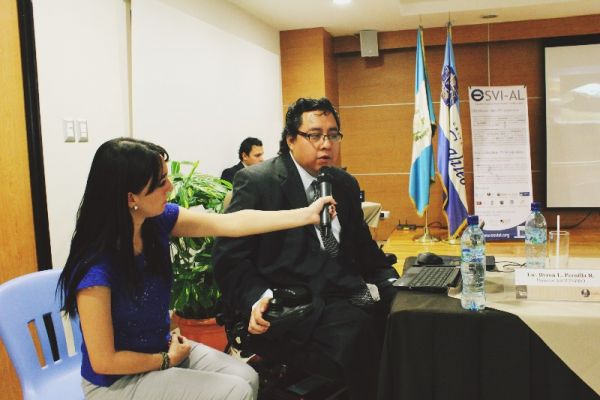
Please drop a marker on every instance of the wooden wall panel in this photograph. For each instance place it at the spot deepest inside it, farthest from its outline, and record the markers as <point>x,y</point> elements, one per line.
<point>376,109</point>
<point>387,79</point>
<point>479,33</point>
<point>302,64</point>
<point>471,69</point>
<point>544,28</point>
<point>434,59</point>
<point>17,256</point>
<point>520,62</point>
<point>16,233</point>
<point>538,180</point>
<point>330,70</point>
<point>390,191</point>
<point>377,139</point>
<point>407,38</point>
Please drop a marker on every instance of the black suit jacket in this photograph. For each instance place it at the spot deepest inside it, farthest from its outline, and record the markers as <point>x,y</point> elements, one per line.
<point>229,173</point>
<point>246,267</point>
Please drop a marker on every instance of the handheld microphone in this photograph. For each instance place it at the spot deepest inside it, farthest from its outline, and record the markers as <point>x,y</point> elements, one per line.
<point>324,181</point>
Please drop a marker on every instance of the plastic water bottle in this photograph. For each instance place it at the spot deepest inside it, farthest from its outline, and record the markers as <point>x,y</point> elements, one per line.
<point>472,266</point>
<point>535,238</point>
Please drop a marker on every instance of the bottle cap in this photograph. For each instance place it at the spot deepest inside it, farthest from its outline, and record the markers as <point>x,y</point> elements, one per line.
<point>535,206</point>
<point>472,220</point>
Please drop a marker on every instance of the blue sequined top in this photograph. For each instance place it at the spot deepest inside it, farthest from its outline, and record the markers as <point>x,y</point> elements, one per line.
<point>141,322</point>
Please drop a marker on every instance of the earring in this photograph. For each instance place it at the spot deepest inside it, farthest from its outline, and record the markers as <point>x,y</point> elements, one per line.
<point>135,207</point>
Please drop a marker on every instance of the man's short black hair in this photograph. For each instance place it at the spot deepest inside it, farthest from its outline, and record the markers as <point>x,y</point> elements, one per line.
<point>246,146</point>
<point>293,117</point>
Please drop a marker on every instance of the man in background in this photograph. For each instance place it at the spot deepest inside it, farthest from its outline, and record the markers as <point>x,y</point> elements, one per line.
<point>250,153</point>
<point>349,278</point>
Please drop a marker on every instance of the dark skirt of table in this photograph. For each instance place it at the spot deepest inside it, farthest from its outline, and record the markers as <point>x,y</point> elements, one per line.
<point>435,350</point>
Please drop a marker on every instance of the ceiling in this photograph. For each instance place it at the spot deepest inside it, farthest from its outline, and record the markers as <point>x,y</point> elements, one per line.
<point>392,15</point>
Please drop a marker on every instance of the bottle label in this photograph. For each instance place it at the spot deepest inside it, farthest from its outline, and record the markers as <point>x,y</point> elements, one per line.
<point>474,254</point>
<point>535,235</point>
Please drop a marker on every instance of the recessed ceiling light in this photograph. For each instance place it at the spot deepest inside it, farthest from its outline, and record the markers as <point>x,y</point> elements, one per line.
<point>489,16</point>
<point>341,2</point>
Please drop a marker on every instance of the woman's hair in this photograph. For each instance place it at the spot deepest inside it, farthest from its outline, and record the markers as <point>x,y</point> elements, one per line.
<point>104,226</point>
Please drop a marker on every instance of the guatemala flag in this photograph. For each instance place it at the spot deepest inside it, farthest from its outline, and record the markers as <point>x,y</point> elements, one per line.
<point>451,163</point>
<point>422,173</point>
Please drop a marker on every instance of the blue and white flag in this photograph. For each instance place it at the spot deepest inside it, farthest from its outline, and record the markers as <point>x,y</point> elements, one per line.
<point>422,173</point>
<point>450,158</point>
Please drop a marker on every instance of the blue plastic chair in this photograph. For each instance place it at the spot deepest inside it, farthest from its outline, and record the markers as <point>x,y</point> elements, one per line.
<point>31,298</point>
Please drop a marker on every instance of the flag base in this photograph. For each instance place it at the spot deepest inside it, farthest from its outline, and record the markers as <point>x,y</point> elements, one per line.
<point>452,241</point>
<point>426,238</point>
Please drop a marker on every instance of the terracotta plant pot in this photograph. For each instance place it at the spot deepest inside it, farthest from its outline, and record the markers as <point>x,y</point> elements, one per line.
<point>205,331</point>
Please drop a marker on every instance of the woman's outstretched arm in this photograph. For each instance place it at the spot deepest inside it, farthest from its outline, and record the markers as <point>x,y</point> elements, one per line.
<point>247,222</point>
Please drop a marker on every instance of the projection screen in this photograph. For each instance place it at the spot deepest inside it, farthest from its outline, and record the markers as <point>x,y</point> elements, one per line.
<point>573,126</point>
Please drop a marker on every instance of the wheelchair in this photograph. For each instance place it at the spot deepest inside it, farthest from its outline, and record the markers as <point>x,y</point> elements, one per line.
<point>278,380</point>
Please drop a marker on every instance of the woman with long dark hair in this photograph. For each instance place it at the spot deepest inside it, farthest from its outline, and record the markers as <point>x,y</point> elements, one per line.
<point>117,278</point>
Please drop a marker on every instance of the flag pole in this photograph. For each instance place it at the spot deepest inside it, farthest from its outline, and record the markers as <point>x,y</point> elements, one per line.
<point>426,238</point>
<point>450,141</point>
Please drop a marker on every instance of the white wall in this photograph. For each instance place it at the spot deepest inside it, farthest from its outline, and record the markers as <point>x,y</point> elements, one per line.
<point>205,76</point>
<point>83,73</point>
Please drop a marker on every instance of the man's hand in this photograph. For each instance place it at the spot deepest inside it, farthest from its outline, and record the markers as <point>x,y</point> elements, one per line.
<point>258,325</point>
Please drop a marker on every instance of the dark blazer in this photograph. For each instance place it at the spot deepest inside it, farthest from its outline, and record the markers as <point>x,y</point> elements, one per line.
<point>229,173</point>
<point>245,267</point>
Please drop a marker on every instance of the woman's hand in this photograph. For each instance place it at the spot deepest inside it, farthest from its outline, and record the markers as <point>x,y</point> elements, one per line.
<point>179,349</point>
<point>316,207</point>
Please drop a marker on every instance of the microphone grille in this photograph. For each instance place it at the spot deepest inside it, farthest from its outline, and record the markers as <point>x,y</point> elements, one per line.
<point>324,174</point>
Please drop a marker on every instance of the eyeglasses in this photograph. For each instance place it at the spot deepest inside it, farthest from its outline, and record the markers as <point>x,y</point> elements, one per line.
<point>315,138</point>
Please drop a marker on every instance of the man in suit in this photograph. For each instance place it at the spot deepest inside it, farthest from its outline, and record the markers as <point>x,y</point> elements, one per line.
<point>250,153</point>
<point>342,337</point>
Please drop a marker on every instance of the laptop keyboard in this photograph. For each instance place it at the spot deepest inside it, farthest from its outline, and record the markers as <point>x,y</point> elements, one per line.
<point>432,277</point>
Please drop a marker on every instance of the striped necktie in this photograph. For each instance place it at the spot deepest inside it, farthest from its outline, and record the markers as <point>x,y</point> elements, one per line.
<point>360,297</point>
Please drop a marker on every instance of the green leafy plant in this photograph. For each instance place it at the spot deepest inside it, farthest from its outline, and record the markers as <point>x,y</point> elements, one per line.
<point>195,292</point>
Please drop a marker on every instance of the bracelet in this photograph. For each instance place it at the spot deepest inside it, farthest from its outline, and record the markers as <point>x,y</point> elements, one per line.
<point>166,361</point>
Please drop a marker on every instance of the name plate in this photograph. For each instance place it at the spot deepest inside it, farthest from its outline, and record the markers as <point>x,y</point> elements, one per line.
<point>558,284</point>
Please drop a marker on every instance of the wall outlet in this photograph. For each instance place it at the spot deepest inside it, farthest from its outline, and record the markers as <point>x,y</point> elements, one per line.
<point>406,226</point>
<point>384,214</point>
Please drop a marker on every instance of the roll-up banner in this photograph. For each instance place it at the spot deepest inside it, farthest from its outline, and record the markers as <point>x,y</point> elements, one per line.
<point>501,159</point>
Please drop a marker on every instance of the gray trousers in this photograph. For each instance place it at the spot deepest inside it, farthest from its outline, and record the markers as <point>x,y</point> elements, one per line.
<point>206,374</point>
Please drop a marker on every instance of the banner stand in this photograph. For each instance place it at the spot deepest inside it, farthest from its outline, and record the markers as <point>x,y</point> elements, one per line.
<point>502,188</point>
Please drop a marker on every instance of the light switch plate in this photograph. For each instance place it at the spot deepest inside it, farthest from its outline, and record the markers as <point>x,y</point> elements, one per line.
<point>82,130</point>
<point>69,130</point>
